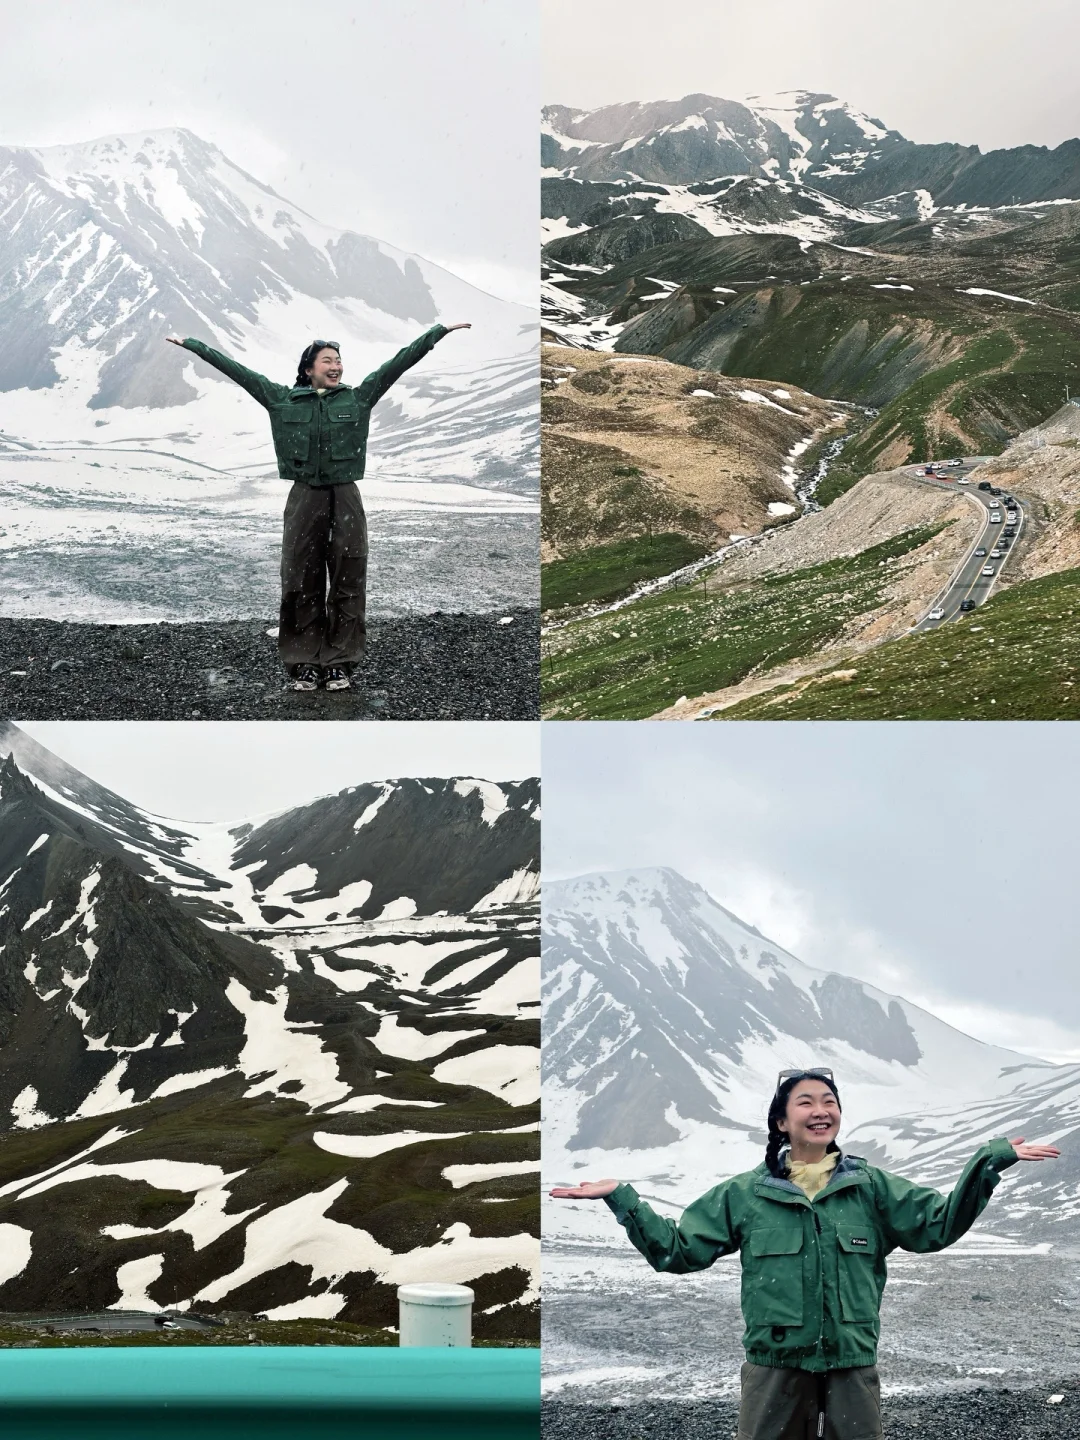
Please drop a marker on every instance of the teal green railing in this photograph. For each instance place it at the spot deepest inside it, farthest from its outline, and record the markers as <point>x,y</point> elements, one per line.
<point>322,1392</point>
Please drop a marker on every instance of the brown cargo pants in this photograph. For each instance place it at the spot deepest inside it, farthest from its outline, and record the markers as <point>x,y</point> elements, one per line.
<point>787,1404</point>
<point>323,577</point>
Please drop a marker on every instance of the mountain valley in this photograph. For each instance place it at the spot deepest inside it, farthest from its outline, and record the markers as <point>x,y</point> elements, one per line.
<point>929,293</point>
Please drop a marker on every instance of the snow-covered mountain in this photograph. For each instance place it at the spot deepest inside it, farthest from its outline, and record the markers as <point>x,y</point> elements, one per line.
<point>797,135</point>
<point>271,1037</point>
<point>111,245</point>
<point>786,136</point>
<point>667,1020</point>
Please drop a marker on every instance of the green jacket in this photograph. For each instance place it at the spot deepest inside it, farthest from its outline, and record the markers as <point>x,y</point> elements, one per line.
<point>812,1271</point>
<point>321,439</point>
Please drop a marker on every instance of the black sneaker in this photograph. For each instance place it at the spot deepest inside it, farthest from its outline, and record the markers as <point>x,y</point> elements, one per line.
<point>305,677</point>
<point>336,678</point>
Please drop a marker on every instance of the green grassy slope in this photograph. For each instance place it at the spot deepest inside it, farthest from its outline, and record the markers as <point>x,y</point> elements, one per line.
<point>1015,658</point>
<point>636,661</point>
<point>950,373</point>
<point>607,572</point>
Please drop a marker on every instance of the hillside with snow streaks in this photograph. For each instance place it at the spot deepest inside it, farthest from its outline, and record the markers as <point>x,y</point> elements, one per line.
<point>667,1020</point>
<point>276,1004</point>
<point>701,136</point>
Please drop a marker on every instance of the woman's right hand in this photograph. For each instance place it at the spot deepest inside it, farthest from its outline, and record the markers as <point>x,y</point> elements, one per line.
<point>590,1190</point>
<point>174,339</point>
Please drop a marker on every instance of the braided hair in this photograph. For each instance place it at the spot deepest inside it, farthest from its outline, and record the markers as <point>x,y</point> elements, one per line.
<point>777,1110</point>
<point>307,359</point>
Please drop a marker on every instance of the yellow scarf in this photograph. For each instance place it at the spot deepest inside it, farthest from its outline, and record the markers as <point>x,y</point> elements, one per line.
<point>812,1176</point>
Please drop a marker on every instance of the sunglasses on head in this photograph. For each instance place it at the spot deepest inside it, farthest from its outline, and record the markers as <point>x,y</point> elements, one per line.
<point>317,345</point>
<point>818,1072</point>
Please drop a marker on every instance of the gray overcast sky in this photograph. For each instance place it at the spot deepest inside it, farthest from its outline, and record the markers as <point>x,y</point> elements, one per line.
<point>414,122</point>
<point>990,73</point>
<point>937,861</point>
<point>229,770</point>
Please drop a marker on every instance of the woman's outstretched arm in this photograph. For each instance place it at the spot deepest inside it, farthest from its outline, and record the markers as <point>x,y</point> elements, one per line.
<point>924,1220</point>
<point>266,392</point>
<point>704,1231</point>
<point>374,386</point>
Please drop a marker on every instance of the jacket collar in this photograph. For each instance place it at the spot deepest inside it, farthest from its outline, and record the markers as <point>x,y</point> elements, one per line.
<point>850,1170</point>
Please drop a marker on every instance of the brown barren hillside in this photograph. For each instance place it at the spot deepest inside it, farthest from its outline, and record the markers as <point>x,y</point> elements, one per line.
<point>636,446</point>
<point>1043,467</point>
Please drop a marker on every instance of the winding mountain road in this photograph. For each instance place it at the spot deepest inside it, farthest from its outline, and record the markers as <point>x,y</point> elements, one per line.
<point>968,583</point>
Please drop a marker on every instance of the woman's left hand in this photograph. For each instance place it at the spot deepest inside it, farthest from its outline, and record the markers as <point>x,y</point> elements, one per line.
<point>1033,1152</point>
<point>465,325</point>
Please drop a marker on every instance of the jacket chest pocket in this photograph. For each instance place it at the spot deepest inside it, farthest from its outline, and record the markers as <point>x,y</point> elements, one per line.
<point>859,1294</point>
<point>347,433</point>
<point>776,1277</point>
<point>291,428</point>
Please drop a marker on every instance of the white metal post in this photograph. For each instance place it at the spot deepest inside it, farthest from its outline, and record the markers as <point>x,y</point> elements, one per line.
<point>435,1315</point>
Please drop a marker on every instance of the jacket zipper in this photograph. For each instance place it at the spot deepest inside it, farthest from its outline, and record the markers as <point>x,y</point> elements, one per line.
<point>823,1380</point>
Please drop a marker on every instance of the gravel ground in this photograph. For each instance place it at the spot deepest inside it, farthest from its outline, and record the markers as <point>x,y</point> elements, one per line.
<point>979,1414</point>
<point>428,667</point>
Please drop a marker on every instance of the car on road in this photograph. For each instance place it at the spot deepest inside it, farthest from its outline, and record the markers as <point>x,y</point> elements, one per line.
<point>1009,530</point>
<point>954,462</point>
<point>964,480</point>
<point>1010,517</point>
<point>936,614</point>
<point>988,570</point>
<point>984,485</point>
<point>996,553</point>
<point>994,490</point>
<point>995,517</point>
<point>966,605</point>
<point>981,550</point>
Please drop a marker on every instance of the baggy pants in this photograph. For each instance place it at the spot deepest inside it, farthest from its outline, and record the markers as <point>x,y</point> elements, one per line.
<point>786,1404</point>
<point>323,577</point>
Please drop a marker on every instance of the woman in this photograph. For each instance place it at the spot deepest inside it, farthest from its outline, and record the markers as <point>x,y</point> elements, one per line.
<point>813,1227</point>
<point>320,428</point>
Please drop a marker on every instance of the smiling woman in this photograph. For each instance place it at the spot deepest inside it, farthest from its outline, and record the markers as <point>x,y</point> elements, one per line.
<point>812,1227</point>
<point>320,430</point>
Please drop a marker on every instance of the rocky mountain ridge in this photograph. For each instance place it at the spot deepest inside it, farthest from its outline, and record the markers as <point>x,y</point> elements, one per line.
<point>796,135</point>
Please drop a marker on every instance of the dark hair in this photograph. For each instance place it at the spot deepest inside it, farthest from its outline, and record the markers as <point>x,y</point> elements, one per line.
<point>307,359</point>
<point>777,1111</point>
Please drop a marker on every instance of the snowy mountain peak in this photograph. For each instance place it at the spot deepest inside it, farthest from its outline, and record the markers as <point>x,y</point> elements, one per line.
<point>132,151</point>
<point>649,982</point>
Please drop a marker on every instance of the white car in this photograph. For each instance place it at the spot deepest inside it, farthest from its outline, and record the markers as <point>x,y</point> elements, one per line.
<point>1010,517</point>
<point>995,517</point>
<point>936,614</point>
<point>988,570</point>
<point>964,480</point>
